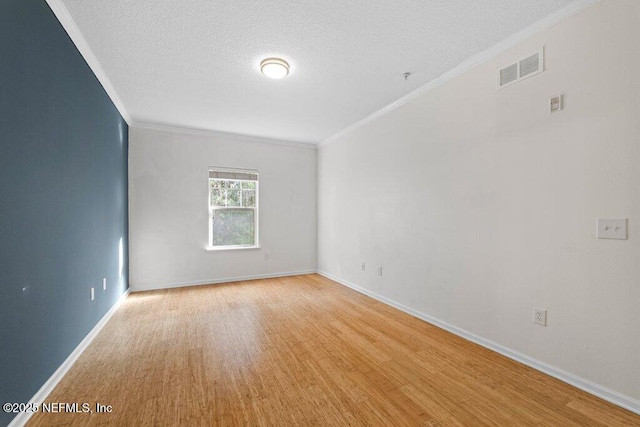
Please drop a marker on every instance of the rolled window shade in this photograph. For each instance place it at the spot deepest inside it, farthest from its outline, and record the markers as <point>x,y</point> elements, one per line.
<point>245,175</point>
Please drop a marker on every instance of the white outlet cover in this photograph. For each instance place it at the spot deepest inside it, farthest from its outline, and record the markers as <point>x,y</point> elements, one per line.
<point>379,271</point>
<point>93,294</point>
<point>540,316</point>
<point>612,229</point>
<point>104,284</point>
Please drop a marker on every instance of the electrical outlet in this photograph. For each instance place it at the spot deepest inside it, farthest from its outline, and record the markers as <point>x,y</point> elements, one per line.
<point>104,284</point>
<point>93,294</point>
<point>539,316</point>
<point>380,271</point>
<point>612,229</point>
<point>266,256</point>
<point>362,266</point>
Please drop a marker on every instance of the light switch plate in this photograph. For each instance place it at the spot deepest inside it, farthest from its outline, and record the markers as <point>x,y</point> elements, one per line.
<point>612,229</point>
<point>556,103</point>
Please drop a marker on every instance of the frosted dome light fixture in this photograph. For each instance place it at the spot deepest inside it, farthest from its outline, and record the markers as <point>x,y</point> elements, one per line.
<point>274,68</point>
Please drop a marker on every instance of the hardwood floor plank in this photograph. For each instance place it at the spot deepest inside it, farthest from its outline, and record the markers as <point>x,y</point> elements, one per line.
<point>303,350</point>
<point>603,412</point>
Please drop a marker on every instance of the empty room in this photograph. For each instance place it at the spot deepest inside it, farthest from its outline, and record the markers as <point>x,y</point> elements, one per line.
<point>305,212</point>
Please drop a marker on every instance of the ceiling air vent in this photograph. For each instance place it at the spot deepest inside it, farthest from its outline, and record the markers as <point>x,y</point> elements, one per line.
<point>509,74</point>
<point>521,69</point>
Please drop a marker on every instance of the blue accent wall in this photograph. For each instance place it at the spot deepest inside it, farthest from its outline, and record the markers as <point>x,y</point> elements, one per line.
<point>63,199</point>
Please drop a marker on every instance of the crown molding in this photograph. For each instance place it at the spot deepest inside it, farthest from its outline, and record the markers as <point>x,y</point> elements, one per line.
<point>558,16</point>
<point>225,135</point>
<point>63,15</point>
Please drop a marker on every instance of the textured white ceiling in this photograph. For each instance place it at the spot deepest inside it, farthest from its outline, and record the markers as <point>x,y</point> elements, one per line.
<point>194,63</point>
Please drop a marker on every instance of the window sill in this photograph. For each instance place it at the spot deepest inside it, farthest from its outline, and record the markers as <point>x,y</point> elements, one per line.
<point>229,248</point>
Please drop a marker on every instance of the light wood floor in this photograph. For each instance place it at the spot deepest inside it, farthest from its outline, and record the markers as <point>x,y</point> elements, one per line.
<point>303,351</point>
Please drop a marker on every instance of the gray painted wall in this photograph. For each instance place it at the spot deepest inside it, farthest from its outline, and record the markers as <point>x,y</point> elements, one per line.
<point>63,198</point>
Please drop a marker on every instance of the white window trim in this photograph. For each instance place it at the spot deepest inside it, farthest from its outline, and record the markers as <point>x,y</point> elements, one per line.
<point>255,219</point>
<point>230,248</point>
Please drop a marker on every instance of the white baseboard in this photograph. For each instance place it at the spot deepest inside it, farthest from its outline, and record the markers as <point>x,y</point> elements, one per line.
<point>153,287</point>
<point>22,417</point>
<point>590,387</point>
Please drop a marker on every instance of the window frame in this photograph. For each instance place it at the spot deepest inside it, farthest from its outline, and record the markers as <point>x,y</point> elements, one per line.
<point>255,209</point>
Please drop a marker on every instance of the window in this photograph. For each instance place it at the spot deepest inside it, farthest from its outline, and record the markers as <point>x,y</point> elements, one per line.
<point>233,208</point>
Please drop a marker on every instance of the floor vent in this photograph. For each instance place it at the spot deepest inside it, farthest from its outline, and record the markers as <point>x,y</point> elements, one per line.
<point>521,69</point>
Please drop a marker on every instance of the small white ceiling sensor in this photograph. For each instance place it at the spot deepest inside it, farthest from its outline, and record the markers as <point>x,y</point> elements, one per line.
<point>274,68</point>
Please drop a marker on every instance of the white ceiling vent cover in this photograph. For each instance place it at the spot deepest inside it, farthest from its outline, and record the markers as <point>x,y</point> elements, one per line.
<point>521,69</point>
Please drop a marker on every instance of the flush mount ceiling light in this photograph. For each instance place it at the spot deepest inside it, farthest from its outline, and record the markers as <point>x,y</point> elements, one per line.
<point>274,68</point>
